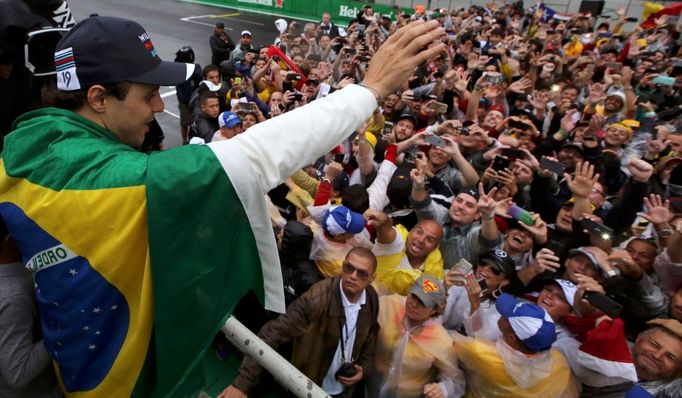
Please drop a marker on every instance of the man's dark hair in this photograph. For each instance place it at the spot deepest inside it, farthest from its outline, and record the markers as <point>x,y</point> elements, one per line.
<point>498,32</point>
<point>207,96</point>
<point>73,100</point>
<point>220,25</point>
<point>209,68</point>
<point>356,198</point>
<point>366,253</point>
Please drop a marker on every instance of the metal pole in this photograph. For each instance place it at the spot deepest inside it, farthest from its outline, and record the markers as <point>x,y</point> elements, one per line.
<point>284,372</point>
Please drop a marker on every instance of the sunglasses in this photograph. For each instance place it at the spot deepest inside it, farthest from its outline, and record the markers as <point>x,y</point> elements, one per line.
<point>496,271</point>
<point>348,268</point>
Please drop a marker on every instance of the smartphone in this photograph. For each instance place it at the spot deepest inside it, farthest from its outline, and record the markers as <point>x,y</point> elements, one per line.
<point>293,76</point>
<point>603,303</point>
<point>275,58</point>
<point>500,163</point>
<point>513,153</point>
<point>595,228</point>
<point>245,106</point>
<point>439,107</point>
<point>515,124</point>
<point>388,127</point>
<point>664,80</point>
<point>631,19</point>
<point>338,158</point>
<point>297,96</point>
<point>483,284</point>
<point>435,140</point>
<point>496,79</point>
<point>363,58</point>
<point>521,215</point>
<point>350,51</point>
<point>555,88</point>
<point>550,165</point>
<point>360,27</point>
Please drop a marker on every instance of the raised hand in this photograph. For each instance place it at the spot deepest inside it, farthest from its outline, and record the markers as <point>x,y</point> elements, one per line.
<point>486,203</point>
<point>641,171</point>
<point>538,229</point>
<point>581,184</point>
<point>546,260</point>
<point>418,179</point>
<point>658,211</point>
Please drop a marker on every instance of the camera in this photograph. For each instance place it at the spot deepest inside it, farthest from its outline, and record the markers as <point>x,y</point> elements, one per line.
<point>347,369</point>
<point>463,131</point>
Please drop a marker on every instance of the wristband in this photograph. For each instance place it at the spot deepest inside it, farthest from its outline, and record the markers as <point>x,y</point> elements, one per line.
<point>374,91</point>
<point>563,134</point>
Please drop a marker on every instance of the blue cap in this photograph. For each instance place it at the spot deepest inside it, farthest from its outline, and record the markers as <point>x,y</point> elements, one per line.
<point>228,119</point>
<point>531,324</point>
<point>340,220</point>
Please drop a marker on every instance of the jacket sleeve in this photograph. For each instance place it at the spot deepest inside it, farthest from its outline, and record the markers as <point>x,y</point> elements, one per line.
<point>377,191</point>
<point>428,210</point>
<point>343,111</point>
<point>292,324</point>
<point>305,182</point>
<point>21,360</point>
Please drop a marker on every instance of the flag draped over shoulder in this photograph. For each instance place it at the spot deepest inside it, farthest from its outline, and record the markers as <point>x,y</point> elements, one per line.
<point>101,223</point>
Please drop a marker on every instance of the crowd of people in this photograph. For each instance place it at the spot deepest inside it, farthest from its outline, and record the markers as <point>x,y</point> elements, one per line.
<point>506,221</point>
<point>525,178</point>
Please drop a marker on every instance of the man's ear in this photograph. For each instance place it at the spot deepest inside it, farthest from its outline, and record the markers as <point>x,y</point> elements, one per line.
<point>97,98</point>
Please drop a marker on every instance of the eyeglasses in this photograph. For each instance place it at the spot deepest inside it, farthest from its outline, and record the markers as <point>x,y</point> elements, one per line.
<point>348,268</point>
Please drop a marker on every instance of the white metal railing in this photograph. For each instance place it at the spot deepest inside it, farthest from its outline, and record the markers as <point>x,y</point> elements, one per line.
<point>284,372</point>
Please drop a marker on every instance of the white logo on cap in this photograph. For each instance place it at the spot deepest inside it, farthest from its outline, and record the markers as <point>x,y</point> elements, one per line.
<point>501,253</point>
<point>65,64</point>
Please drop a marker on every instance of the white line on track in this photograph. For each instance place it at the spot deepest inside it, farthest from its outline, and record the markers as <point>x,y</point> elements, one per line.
<point>171,113</point>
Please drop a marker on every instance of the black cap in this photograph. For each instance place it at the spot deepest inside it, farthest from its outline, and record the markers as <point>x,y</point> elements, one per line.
<point>500,260</point>
<point>472,191</point>
<point>109,50</point>
<point>408,116</point>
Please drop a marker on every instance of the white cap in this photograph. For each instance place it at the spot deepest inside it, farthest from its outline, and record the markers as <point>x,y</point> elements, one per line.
<point>281,25</point>
<point>245,32</point>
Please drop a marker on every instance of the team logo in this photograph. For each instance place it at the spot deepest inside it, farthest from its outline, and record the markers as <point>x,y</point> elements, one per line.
<point>147,42</point>
<point>429,287</point>
<point>279,3</point>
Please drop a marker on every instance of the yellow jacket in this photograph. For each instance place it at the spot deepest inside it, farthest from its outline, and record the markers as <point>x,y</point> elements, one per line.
<point>390,277</point>
<point>487,376</point>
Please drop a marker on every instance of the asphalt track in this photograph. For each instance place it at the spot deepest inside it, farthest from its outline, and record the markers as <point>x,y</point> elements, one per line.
<point>173,24</point>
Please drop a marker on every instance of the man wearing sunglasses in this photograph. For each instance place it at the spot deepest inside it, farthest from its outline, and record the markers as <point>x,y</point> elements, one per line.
<point>332,324</point>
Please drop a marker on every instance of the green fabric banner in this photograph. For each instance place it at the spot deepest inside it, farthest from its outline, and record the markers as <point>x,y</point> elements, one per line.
<point>342,10</point>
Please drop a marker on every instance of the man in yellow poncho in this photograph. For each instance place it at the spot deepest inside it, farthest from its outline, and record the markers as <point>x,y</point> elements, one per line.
<point>403,257</point>
<point>521,363</point>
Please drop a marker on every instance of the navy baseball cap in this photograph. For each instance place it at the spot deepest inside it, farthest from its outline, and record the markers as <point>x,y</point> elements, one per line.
<point>531,323</point>
<point>109,50</point>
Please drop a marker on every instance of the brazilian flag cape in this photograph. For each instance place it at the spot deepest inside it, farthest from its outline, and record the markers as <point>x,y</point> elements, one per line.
<point>139,259</point>
<point>91,216</point>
